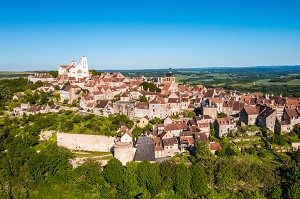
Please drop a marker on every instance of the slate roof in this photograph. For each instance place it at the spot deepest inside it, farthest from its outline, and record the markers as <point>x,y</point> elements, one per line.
<point>144,149</point>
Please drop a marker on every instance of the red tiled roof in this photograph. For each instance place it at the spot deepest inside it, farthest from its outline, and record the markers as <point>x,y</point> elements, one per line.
<point>214,146</point>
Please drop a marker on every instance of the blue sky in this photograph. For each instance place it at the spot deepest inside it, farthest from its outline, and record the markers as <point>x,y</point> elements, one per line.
<point>124,34</point>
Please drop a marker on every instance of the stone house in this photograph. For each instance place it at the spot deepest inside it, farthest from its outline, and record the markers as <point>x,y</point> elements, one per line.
<point>282,126</point>
<point>135,94</point>
<point>174,103</point>
<point>176,128</point>
<point>98,95</point>
<point>158,108</point>
<point>68,93</point>
<point>248,115</point>
<point>210,108</point>
<point>170,146</point>
<point>126,136</point>
<point>108,94</point>
<point>291,116</point>
<point>166,134</point>
<point>231,107</point>
<point>84,101</point>
<point>104,107</point>
<point>267,119</point>
<point>21,109</point>
<point>218,101</point>
<point>141,109</point>
<point>159,149</point>
<point>224,126</point>
<point>125,96</point>
<point>186,140</point>
<point>125,108</point>
<point>204,127</point>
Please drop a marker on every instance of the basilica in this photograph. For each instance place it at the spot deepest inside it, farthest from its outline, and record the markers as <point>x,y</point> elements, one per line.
<point>78,71</point>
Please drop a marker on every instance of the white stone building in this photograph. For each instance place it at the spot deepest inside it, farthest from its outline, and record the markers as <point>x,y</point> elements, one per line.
<point>74,70</point>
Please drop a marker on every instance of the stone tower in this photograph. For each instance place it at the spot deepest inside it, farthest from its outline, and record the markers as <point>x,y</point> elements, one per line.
<point>170,77</point>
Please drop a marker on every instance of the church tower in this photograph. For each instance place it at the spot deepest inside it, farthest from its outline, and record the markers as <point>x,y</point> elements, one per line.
<point>170,77</point>
<point>84,62</point>
<point>84,66</point>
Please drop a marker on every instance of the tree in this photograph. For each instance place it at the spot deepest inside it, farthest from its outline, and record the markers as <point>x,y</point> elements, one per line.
<point>294,190</point>
<point>199,182</point>
<point>228,149</point>
<point>131,188</point>
<point>182,180</point>
<point>54,73</point>
<point>95,72</point>
<point>189,114</point>
<point>143,99</point>
<point>156,121</point>
<point>123,120</point>
<point>167,172</point>
<point>138,131</point>
<point>149,176</point>
<point>202,150</point>
<point>275,193</point>
<point>149,86</point>
<point>113,172</point>
<point>57,158</point>
<point>212,130</point>
<point>222,115</point>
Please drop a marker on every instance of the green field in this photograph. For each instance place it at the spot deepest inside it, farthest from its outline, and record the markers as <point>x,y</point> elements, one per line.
<point>220,76</point>
<point>294,82</point>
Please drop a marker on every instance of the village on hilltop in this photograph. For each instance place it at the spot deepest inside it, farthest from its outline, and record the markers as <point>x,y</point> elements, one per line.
<point>188,113</point>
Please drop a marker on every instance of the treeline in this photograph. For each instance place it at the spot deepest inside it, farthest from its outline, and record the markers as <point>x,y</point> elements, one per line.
<point>8,87</point>
<point>285,79</point>
<point>26,173</point>
<point>284,90</point>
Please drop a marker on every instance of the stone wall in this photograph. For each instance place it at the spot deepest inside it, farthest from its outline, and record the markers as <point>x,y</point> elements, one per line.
<point>85,142</point>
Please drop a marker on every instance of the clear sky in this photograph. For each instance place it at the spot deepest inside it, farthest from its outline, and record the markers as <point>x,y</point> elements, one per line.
<point>124,34</point>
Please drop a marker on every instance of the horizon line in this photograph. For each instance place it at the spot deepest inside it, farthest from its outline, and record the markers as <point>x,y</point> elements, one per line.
<point>166,68</point>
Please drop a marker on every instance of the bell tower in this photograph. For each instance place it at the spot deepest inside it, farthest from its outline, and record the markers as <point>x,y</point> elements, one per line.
<point>84,66</point>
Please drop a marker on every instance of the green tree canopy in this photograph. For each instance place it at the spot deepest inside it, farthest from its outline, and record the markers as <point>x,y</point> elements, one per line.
<point>113,172</point>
